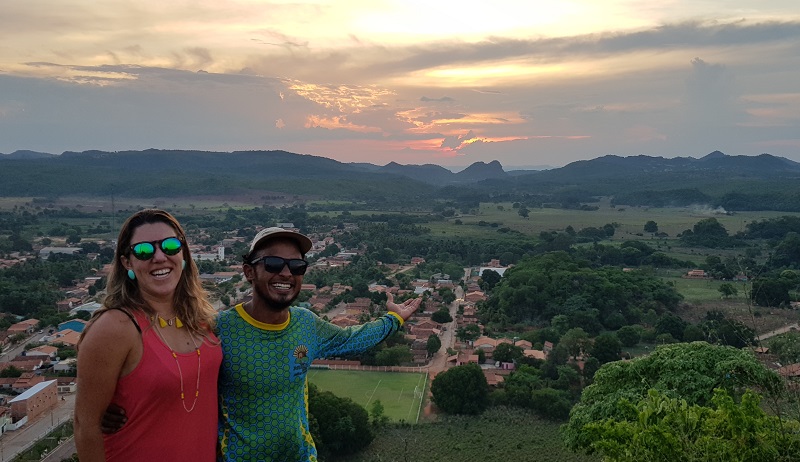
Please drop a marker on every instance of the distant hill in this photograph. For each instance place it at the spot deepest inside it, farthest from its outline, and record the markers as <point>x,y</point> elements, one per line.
<point>759,182</point>
<point>429,173</point>
<point>482,171</point>
<point>26,155</point>
<point>610,167</point>
<point>155,173</point>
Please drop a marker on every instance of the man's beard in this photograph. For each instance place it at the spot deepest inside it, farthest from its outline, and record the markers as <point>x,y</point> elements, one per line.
<point>273,303</point>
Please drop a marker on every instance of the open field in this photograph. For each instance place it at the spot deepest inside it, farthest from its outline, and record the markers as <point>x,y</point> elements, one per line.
<point>499,434</point>
<point>395,390</point>
<point>704,290</point>
<point>761,319</point>
<point>631,220</point>
<point>184,205</point>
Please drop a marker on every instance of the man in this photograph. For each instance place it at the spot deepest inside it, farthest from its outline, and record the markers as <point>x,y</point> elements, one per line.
<point>268,346</point>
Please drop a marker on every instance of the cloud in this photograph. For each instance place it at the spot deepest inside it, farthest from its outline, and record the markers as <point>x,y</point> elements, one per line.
<point>680,88</point>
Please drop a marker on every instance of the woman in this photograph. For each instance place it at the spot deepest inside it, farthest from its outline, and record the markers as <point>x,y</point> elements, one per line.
<point>151,351</point>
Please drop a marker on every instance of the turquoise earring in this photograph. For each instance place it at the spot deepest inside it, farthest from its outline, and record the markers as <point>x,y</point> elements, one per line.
<point>131,275</point>
<point>183,264</point>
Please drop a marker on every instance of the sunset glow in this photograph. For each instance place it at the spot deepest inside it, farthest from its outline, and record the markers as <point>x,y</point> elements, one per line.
<point>407,81</point>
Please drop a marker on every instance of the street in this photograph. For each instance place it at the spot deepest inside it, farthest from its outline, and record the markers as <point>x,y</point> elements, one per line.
<point>439,361</point>
<point>779,331</point>
<point>14,442</point>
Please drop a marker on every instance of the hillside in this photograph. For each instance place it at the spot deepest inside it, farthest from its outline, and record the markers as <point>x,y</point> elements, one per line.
<point>732,182</point>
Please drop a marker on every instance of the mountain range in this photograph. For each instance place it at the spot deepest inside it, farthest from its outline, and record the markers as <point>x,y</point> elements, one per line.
<point>153,172</point>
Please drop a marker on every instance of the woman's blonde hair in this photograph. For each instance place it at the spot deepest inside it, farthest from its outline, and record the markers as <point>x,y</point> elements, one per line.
<point>190,299</point>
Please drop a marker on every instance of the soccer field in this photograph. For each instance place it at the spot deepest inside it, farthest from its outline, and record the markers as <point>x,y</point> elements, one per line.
<point>400,393</point>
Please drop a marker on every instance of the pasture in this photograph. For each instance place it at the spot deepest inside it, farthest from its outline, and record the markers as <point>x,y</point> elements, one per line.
<point>500,434</point>
<point>400,393</point>
<point>630,220</point>
<point>704,290</point>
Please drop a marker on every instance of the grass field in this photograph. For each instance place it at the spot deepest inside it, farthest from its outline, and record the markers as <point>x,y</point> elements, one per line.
<point>395,390</point>
<point>703,290</point>
<point>499,434</point>
<point>631,220</point>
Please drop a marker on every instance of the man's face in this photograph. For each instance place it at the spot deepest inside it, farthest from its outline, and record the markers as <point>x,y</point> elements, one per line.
<point>277,290</point>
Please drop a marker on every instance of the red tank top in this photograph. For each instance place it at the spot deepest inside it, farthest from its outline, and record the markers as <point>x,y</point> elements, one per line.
<point>158,426</point>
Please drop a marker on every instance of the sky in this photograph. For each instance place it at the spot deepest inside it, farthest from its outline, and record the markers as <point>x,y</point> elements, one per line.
<point>529,83</point>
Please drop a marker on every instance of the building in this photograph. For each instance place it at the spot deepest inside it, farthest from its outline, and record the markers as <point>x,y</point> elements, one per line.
<point>45,253</point>
<point>65,365</point>
<point>67,384</point>
<point>90,308</point>
<point>498,270</point>
<point>23,327</point>
<point>67,337</point>
<point>219,255</point>
<point>696,274</point>
<point>34,401</point>
<point>219,277</point>
<point>44,352</point>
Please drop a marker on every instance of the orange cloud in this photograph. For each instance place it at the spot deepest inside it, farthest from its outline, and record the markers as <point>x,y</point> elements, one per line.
<point>344,98</point>
<point>334,123</point>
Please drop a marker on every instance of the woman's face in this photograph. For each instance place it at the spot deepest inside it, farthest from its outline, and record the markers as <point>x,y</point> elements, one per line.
<point>156,277</point>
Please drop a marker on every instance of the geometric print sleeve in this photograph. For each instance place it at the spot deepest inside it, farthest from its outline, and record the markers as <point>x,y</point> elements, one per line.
<point>340,341</point>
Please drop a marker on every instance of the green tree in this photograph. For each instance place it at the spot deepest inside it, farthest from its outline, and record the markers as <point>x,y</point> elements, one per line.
<point>393,356</point>
<point>707,233</point>
<point>576,341</point>
<point>666,429</point>
<point>651,227</point>
<point>10,372</point>
<point>606,348</point>
<point>342,425</point>
<point>376,413</point>
<point>468,332</point>
<point>447,294</point>
<point>441,316</point>
<point>728,290</point>
<point>507,353</point>
<point>560,322</point>
<point>433,345</point>
<point>786,347</point>
<point>770,291</point>
<point>671,324</point>
<point>489,279</point>
<point>629,335</point>
<point>689,371</point>
<point>551,404</point>
<point>461,390</point>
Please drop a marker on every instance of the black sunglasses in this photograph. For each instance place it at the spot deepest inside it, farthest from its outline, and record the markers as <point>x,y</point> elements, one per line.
<point>297,266</point>
<point>145,250</point>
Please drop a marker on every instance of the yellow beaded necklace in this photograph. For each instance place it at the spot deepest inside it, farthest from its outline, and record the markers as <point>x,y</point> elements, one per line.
<point>180,372</point>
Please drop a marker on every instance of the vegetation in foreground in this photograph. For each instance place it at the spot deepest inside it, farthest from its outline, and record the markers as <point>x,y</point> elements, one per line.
<point>499,434</point>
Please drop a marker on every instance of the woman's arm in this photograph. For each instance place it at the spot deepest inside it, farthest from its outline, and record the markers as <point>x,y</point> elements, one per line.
<point>110,349</point>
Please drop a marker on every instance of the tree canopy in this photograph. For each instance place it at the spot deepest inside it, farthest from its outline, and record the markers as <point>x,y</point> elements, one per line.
<point>687,371</point>
<point>670,429</point>
<point>340,425</point>
<point>540,287</point>
<point>461,390</point>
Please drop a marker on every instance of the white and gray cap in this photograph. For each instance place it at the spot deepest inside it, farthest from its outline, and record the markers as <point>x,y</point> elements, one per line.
<point>303,242</point>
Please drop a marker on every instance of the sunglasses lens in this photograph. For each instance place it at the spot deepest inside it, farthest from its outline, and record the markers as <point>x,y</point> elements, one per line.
<point>297,267</point>
<point>144,251</point>
<point>171,246</point>
<point>273,264</point>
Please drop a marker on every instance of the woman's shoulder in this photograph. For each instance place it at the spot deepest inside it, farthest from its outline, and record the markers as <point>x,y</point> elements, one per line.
<point>114,323</point>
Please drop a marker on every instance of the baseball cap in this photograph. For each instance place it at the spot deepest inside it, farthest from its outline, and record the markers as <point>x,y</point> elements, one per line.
<point>274,232</point>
